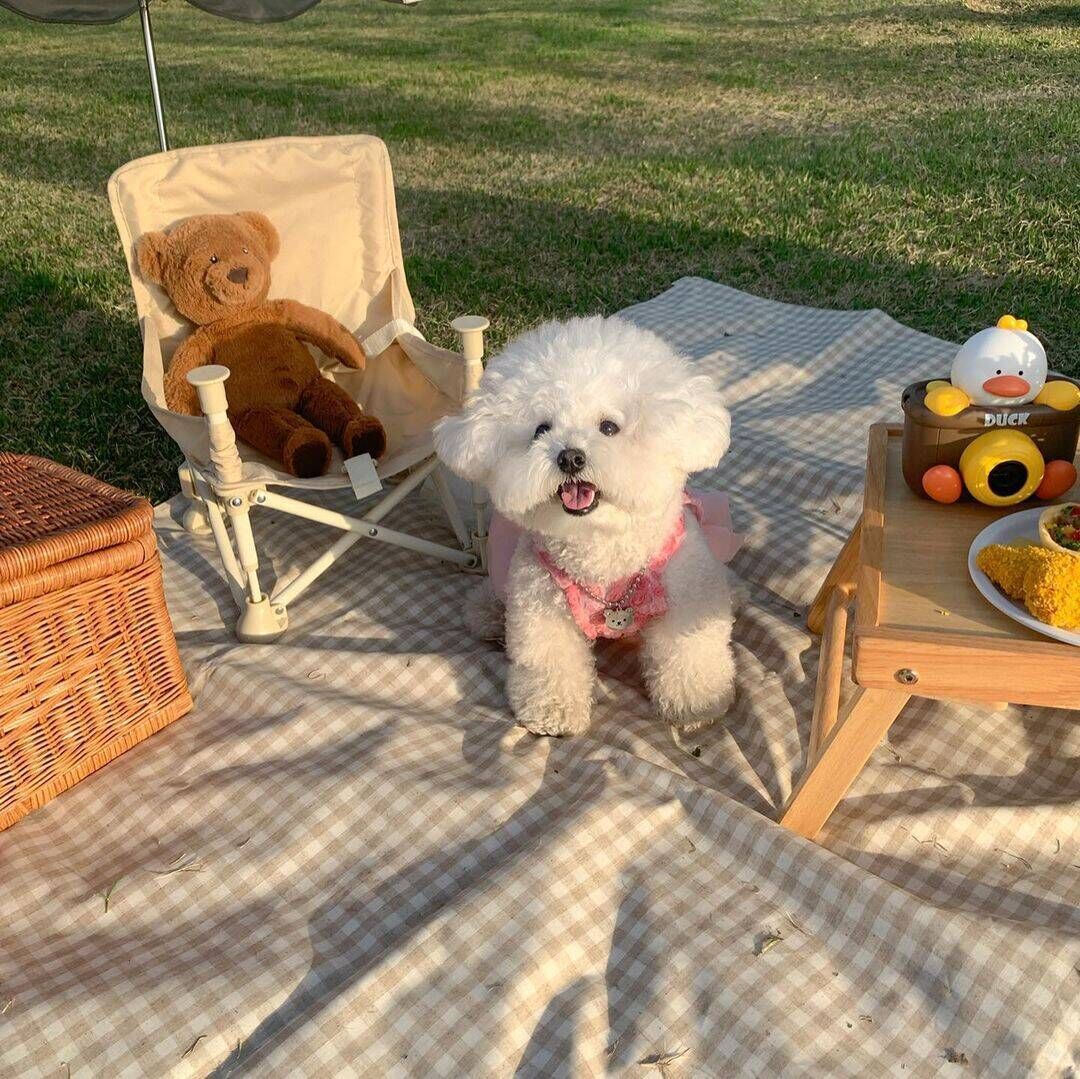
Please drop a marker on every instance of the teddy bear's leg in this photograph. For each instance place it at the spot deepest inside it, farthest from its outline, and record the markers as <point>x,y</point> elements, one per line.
<point>284,436</point>
<point>330,408</point>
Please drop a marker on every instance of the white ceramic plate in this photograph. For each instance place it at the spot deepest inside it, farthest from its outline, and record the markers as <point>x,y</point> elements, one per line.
<point>1020,527</point>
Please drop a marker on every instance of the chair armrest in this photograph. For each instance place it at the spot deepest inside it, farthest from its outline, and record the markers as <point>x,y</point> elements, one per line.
<point>209,383</point>
<point>470,328</point>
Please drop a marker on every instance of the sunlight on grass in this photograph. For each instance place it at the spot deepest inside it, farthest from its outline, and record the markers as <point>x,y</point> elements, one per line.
<point>555,159</point>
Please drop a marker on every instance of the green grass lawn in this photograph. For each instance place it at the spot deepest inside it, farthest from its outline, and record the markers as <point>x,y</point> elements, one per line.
<point>557,158</point>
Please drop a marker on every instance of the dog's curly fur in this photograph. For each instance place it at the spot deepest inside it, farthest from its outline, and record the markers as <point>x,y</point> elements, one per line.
<point>551,389</point>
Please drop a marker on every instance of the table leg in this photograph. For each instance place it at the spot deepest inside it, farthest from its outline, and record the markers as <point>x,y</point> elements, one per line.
<point>843,572</point>
<point>830,669</point>
<point>864,722</point>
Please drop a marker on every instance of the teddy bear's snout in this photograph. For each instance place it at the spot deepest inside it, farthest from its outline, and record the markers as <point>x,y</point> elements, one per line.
<point>238,275</point>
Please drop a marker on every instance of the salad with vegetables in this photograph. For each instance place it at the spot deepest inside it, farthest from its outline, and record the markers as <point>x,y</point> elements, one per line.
<point>1064,528</point>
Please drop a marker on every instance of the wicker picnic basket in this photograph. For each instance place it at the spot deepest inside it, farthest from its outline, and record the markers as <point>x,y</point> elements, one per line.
<point>88,661</point>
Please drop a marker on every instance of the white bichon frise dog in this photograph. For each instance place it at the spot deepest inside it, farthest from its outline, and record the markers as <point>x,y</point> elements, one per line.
<point>584,433</point>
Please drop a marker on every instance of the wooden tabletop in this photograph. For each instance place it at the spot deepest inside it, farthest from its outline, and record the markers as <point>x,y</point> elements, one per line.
<point>918,610</point>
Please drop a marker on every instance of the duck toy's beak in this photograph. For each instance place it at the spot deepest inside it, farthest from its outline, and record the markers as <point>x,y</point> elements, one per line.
<point>1007,386</point>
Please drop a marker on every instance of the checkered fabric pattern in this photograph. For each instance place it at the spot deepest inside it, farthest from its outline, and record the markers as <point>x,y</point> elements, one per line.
<point>347,861</point>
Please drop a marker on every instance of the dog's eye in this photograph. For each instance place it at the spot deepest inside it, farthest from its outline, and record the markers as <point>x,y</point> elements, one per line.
<point>213,258</point>
<point>609,428</point>
<point>542,429</point>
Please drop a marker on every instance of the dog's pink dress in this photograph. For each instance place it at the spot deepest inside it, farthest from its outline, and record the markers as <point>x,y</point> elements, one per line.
<point>642,593</point>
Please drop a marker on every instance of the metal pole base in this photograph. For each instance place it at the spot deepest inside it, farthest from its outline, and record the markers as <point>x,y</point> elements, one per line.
<point>262,622</point>
<point>195,520</point>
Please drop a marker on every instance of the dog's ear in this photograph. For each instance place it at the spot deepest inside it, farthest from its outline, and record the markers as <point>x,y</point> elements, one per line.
<point>700,424</point>
<point>468,443</point>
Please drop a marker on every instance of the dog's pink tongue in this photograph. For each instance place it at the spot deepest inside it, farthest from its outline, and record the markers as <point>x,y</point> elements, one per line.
<point>577,496</point>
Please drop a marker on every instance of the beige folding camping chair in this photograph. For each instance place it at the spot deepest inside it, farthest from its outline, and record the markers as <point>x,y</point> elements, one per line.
<point>332,201</point>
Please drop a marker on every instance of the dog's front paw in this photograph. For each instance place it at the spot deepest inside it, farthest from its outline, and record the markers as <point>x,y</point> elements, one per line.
<point>688,716</point>
<point>691,676</point>
<point>541,708</point>
<point>552,717</point>
<point>691,696</point>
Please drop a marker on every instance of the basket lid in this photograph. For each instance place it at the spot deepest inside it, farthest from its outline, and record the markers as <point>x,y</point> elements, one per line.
<point>50,514</point>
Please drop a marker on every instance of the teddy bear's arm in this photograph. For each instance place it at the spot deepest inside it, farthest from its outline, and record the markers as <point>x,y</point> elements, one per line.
<point>196,350</point>
<point>321,330</point>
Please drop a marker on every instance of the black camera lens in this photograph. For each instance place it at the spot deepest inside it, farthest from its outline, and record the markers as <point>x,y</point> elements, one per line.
<point>1007,478</point>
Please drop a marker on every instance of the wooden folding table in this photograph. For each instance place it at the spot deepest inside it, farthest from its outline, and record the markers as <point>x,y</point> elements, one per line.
<point>921,629</point>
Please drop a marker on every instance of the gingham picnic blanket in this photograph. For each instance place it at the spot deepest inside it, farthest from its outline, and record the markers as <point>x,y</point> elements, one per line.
<point>348,861</point>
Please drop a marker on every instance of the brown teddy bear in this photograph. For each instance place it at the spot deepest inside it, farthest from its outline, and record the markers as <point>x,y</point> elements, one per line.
<point>216,270</point>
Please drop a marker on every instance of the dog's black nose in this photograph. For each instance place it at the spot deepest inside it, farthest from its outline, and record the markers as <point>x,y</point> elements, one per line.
<point>571,460</point>
<point>238,275</point>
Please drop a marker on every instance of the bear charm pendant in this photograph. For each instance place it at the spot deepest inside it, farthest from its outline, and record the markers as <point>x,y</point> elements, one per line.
<point>619,617</point>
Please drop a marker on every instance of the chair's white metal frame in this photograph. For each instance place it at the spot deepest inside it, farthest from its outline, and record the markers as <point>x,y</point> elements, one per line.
<point>220,502</point>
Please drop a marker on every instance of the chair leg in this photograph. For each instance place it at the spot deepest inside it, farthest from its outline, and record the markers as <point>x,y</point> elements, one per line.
<point>260,621</point>
<point>470,328</point>
<point>450,506</point>
<point>194,519</point>
<point>480,536</point>
<point>226,553</point>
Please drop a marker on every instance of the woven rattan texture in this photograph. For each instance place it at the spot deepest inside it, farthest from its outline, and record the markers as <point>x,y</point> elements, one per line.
<point>88,661</point>
<point>50,514</point>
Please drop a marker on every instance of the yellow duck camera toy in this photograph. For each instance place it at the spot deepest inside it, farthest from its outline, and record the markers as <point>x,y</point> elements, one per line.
<point>1000,430</point>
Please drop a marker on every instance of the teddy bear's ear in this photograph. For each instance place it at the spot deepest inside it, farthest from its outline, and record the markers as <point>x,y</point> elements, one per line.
<point>150,253</point>
<point>265,228</point>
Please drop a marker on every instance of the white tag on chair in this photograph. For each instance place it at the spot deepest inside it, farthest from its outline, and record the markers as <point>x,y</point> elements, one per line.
<point>362,475</point>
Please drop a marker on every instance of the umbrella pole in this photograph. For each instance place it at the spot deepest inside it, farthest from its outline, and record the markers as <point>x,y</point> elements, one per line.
<point>151,63</point>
